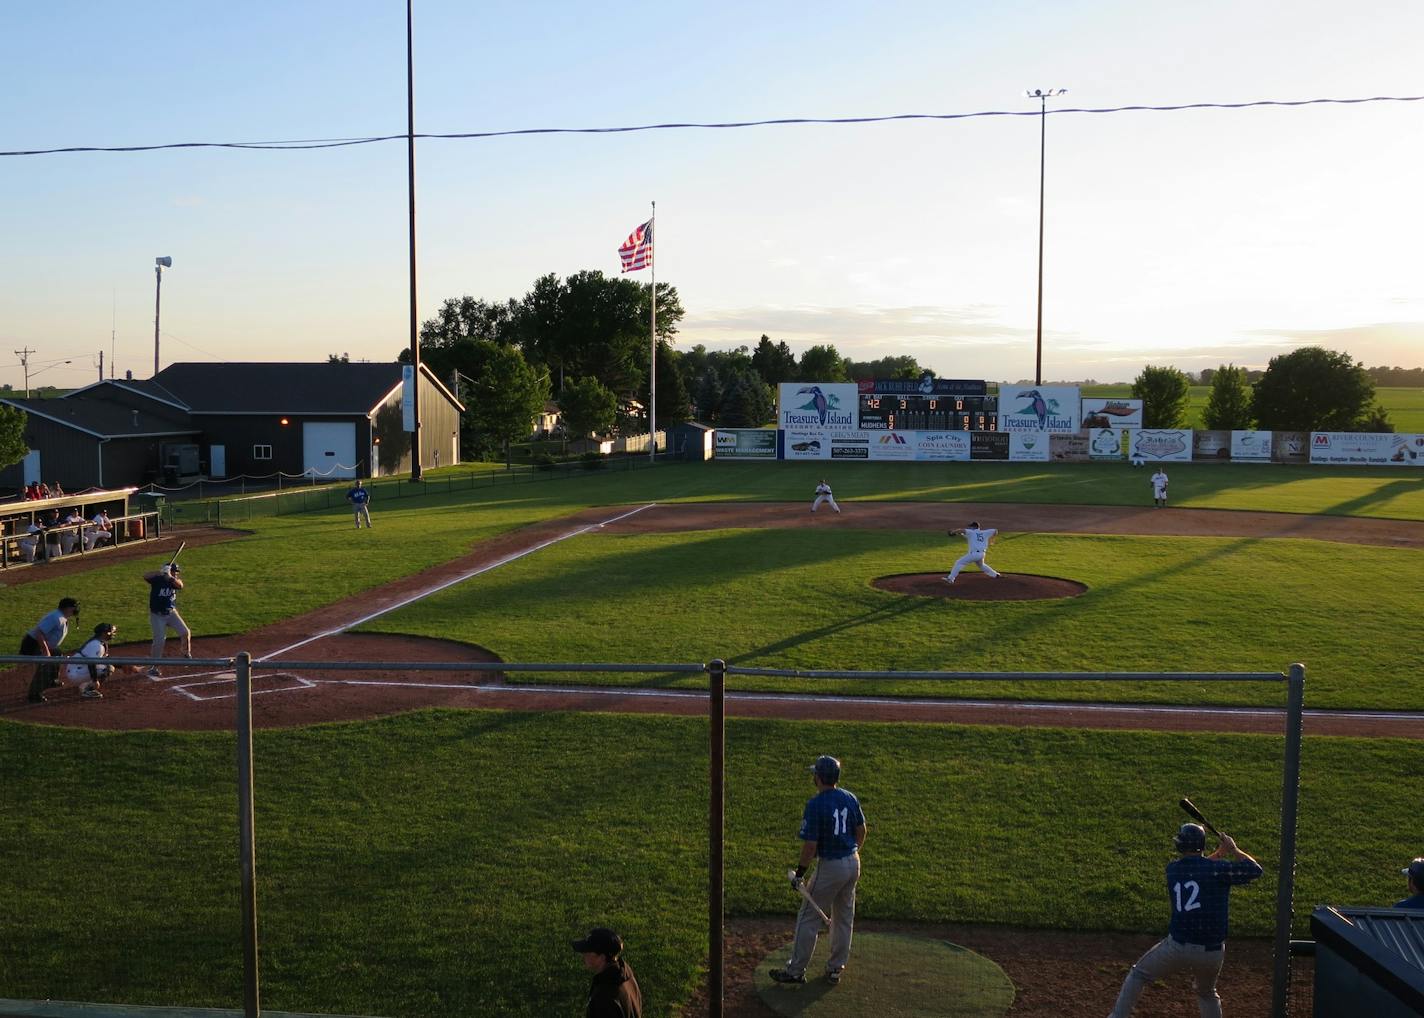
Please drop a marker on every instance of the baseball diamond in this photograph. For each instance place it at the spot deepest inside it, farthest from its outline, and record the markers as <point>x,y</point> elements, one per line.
<point>366,825</point>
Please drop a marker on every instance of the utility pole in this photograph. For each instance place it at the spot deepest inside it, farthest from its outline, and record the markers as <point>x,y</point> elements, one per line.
<point>24,356</point>
<point>101,365</point>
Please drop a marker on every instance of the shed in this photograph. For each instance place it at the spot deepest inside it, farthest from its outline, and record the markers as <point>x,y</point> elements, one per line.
<point>692,441</point>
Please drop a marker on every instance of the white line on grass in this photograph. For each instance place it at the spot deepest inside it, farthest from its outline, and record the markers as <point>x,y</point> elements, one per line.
<point>450,583</point>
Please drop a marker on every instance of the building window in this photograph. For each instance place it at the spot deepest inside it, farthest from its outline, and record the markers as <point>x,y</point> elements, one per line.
<point>262,452</point>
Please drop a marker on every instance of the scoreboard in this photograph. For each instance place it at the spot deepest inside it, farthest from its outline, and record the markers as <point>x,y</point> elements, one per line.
<point>930,404</point>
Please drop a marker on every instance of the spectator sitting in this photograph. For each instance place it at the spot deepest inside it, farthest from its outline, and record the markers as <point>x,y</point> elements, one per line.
<point>100,532</point>
<point>1415,874</point>
<point>57,491</point>
<point>32,491</point>
<point>42,491</point>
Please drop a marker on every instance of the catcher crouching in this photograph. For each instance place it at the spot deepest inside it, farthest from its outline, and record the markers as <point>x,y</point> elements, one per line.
<point>87,667</point>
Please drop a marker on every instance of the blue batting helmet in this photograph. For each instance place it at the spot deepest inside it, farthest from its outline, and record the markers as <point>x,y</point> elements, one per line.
<point>1190,838</point>
<point>828,769</point>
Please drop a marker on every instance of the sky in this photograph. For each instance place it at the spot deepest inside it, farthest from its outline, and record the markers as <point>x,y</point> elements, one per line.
<point>1191,238</point>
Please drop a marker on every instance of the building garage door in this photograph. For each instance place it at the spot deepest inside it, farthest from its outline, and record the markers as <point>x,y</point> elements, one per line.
<point>329,448</point>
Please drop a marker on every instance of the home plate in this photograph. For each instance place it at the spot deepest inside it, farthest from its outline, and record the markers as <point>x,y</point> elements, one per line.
<point>223,685</point>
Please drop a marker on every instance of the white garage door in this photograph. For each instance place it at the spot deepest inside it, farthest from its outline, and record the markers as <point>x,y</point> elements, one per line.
<point>329,449</point>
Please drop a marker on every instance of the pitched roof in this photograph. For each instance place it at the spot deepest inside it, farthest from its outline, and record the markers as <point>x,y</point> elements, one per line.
<point>103,419</point>
<point>285,388</point>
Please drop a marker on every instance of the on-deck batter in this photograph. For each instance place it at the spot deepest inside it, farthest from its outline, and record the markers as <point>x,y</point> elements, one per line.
<point>979,540</point>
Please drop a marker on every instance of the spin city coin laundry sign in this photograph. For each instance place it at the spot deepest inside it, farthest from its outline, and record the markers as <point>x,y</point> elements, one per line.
<point>1039,408</point>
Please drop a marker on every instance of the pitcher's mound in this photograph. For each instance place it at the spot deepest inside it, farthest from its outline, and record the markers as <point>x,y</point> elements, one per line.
<point>892,975</point>
<point>977,586</point>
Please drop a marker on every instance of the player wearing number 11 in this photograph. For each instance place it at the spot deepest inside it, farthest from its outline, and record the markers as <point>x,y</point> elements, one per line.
<point>1199,890</point>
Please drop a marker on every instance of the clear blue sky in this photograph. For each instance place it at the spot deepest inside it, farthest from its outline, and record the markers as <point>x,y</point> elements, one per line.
<point>1190,238</point>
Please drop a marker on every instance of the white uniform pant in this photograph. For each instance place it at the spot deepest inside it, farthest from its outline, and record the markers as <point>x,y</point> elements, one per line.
<point>825,498</point>
<point>976,557</point>
<point>161,624</point>
<point>833,888</point>
<point>1170,958</point>
<point>363,512</point>
<point>1159,494</point>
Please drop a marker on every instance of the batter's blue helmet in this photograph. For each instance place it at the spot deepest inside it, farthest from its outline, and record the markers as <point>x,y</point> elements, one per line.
<point>1190,838</point>
<point>828,769</point>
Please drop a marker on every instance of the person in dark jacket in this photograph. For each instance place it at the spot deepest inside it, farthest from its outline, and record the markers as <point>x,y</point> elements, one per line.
<point>1414,872</point>
<point>614,992</point>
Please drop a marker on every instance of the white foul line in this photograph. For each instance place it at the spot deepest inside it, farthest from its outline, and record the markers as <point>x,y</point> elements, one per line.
<point>450,583</point>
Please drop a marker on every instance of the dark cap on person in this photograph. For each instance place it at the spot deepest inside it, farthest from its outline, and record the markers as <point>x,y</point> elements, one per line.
<point>69,602</point>
<point>1415,872</point>
<point>600,940</point>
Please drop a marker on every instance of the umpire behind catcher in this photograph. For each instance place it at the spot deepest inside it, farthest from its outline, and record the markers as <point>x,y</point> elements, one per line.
<point>1199,890</point>
<point>614,991</point>
<point>832,827</point>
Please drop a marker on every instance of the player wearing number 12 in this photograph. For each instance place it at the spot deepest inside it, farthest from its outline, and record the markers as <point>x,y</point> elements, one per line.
<point>1199,890</point>
<point>833,829</point>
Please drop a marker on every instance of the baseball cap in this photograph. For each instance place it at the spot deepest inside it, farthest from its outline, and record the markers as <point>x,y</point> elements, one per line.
<point>69,602</point>
<point>827,768</point>
<point>600,940</point>
<point>974,524</point>
<point>1415,871</point>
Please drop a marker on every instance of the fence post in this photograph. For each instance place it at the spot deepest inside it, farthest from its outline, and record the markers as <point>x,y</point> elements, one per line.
<point>246,836</point>
<point>1285,883</point>
<point>716,830</point>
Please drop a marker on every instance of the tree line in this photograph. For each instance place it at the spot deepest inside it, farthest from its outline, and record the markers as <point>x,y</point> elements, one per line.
<point>1308,389</point>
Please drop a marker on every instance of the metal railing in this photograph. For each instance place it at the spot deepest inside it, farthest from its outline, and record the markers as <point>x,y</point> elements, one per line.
<point>22,550</point>
<point>717,672</point>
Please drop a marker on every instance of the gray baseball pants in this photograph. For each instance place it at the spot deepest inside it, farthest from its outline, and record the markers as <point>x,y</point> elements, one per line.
<point>833,888</point>
<point>160,624</point>
<point>1169,958</point>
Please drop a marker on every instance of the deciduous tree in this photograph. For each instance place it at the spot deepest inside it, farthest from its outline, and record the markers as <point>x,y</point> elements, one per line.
<point>1165,394</point>
<point>1228,405</point>
<point>1313,389</point>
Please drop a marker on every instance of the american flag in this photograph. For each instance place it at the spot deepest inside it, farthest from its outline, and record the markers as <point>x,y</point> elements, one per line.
<point>637,251</point>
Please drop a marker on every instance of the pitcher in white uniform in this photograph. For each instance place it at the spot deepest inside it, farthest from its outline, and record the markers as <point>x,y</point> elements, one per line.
<point>978,545</point>
<point>823,494</point>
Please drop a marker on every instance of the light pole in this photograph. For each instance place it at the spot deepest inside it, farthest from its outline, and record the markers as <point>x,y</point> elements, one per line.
<point>1042,95</point>
<point>159,264</point>
<point>31,374</point>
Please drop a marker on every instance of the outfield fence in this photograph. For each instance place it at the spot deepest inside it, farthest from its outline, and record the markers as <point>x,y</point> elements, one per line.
<point>239,508</point>
<point>242,666</point>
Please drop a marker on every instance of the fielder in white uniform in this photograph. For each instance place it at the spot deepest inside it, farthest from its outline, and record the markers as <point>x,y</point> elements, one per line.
<point>83,669</point>
<point>978,544</point>
<point>823,494</point>
<point>1159,488</point>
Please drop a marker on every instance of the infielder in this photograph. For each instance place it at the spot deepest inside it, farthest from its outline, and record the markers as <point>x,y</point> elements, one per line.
<point>163,587</point>
<point>833,828</point>
<point>1159,488</point>
<point>359,497</point>
<point>979,541</point>
<point>1199,890</point>
<point>83,670</point>
<point>823,494</point>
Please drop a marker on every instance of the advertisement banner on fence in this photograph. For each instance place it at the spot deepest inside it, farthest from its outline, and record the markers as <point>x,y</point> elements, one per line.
<point>800,444</point>
<point>822,406</point>
<point>1166,445</point>
<point>1029,447</point>
<point>942,445</point>
<point>989,445</point>
<point>1068,448</point>
<point>852,445</point>
<point>1045,408</point>
<point>1251,446</point>
<point>1367,449</point>
<point>1107,444</point>
<point>1112,413</point>
<point>408,397</point>
<point>1290,446</point>
<point>745,444</point>
<point>1211,445</point>
<point>891,445</point>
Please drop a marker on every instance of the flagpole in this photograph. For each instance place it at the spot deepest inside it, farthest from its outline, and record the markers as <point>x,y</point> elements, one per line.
<point>653,346</point>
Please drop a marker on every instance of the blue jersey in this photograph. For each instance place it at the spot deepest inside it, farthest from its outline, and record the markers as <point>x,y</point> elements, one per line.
<point>1414,901</point>
<point>360,496</point>
<point>1200,891</point>
<point>54,627</point>
<point>830,820</point>
<point>162,595</point>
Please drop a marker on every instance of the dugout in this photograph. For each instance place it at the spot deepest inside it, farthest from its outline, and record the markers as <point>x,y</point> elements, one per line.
<point>19,548</point>
<point>1368,961</point>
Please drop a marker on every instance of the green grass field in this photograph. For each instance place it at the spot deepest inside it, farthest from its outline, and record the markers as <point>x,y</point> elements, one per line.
<point>1405,405</point>
<point>438,863</point>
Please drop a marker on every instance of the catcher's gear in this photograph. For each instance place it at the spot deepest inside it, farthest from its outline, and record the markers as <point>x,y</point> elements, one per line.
<point>105,630</point>
<point>1190,838</point>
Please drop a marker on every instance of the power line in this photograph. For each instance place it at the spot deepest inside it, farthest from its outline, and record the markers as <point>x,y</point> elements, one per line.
<point>319,143</point>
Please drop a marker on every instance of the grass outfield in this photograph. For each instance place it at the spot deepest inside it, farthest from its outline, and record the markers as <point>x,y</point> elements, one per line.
<point>438,863</point>
<point>802,599</point>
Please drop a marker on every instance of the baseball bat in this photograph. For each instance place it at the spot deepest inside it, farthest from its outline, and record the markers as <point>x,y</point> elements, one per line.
<point>801,887</point>
<point>181,546</point>
<point>1191,810</point>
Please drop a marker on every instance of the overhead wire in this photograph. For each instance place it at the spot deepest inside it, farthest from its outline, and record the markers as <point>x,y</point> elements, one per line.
<point>323,143</point>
